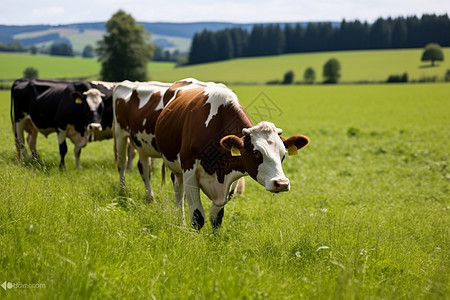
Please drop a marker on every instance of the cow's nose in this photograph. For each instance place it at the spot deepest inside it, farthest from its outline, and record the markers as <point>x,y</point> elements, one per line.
<point>95,126</point>
<point>280,185</point>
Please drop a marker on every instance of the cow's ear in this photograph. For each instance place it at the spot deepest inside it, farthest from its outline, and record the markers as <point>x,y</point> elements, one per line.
<point>77,98</point>
<point>232,144</point>
<point>295,143</point>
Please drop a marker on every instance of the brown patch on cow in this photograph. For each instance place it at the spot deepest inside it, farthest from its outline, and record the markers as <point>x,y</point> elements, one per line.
<point>131,118</point>
<point>181,129</point>
<point>172,90</point>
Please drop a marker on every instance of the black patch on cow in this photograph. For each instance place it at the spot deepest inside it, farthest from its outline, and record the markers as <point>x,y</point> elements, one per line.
<point>135,140</point>
<point>140,167</point>
<point>154,145</point>
<point>197,220</point>
<point>218,221</point>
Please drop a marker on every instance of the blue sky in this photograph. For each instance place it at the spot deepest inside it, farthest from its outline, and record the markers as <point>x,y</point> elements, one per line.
<point>54,12</point>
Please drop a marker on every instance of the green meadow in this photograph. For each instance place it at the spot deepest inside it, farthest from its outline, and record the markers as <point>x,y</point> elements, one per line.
<point>367,217</point>
<point>357,66</point>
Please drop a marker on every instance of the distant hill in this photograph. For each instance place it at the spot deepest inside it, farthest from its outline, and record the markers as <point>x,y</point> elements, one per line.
<point>166,35</point>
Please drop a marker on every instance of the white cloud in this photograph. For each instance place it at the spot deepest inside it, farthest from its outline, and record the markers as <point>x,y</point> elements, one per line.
<point>48,11</point>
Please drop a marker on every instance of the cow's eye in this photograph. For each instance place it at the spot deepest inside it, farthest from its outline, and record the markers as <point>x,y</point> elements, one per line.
<point>257,154</point>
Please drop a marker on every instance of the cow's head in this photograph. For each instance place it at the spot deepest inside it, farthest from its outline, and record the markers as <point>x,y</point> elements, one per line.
<point>94,107</point>
<point>262,150</point>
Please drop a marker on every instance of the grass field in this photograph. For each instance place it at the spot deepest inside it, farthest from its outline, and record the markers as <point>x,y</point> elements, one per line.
<point>357,66</point>
<point>367,216</point>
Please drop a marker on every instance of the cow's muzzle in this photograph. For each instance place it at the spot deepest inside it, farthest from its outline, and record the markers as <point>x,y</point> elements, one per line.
<point>95,126</point>
<point>279,185</point>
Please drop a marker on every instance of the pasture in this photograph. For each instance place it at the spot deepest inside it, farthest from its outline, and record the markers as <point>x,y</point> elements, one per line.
<point>357,66</point>
<point>367,216</point>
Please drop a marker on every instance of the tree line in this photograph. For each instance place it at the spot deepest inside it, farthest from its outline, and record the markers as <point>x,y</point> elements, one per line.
<point>274,39</point>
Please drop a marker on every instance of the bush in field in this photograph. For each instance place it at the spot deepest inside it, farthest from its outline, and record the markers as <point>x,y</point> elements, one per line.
<point>30,73</point>
<point>88,51</point>
<point>447,76</point>
<point>331,71</point>
<point>61,49</point>
<point>309,76</point>
<point>288,77</point>
<point>432,52</point>
<point>124,50</point>
<point>398,78</point>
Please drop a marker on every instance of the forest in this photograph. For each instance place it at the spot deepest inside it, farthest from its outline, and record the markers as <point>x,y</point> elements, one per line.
<point>274,39</point>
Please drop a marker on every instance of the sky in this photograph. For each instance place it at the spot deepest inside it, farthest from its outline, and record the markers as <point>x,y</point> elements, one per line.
<point>57,12</point>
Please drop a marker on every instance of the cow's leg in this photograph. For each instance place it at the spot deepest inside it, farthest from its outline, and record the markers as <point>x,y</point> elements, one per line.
<point>32,138</point>
<point>144,169</point>
<point>192,190</point>
<point>77,154</point>
<point>178,188</point>
<point>131,155</point>
<point>19,128</point>
<point>62,148</point>
<point>216,216</point>
<point>121,148</point>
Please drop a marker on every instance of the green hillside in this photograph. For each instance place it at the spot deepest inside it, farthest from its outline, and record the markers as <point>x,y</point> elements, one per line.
<point>357,66</point>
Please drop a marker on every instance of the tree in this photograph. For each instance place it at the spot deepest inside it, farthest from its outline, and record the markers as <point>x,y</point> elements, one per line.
<point>88,51</point>
<point>30,73</point>
<point>331,71</point>
<point>124,51</point>
<point>309,76</point>
<point>61,49</point>
<point>288,77</point>
<point>432,52</point>
<point>33,50</point>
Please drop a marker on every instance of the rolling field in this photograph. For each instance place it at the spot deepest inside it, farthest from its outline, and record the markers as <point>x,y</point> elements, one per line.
<point>357,66</point>
<point>367,217</point>
<point>371,66</point>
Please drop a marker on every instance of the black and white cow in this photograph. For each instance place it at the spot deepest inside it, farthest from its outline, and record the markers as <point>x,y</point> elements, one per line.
<point>72,109</point>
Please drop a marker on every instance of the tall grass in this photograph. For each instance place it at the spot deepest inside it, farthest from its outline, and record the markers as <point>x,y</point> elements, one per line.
<point>367,216</point>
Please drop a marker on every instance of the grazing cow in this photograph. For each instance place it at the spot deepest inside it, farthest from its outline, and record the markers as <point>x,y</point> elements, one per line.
<point>137,105</point>
<point>72,109</point>
<point>207,140</point>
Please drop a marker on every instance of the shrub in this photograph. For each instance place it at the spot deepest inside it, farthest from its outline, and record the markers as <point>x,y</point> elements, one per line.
<point>288,77</point>
<point>398,78</point>
<point>30,73</point>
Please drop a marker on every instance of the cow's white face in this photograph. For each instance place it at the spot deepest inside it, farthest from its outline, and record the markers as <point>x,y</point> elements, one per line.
<point>269,149</point>
<point>94,101</point>
<point>262,151</point>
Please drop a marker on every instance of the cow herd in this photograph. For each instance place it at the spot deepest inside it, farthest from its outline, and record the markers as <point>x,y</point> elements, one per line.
<point>199,129</point>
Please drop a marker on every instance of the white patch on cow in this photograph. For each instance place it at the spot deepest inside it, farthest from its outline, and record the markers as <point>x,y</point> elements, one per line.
<point>146,147</point>
<point>107,84</point>
<point>174,166</point>
<point>265,139</point>
<point>145,121</point>
<point>144,91</point>
<point>93,98</point>
<point>123,91</point>
<point>219,95</point>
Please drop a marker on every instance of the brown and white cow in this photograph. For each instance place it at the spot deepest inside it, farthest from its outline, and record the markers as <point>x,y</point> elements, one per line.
<point>208,141</point>
<point>137,105</point>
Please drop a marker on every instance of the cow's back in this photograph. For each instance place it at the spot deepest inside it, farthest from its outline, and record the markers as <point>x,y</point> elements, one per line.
<point>193,122</point>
